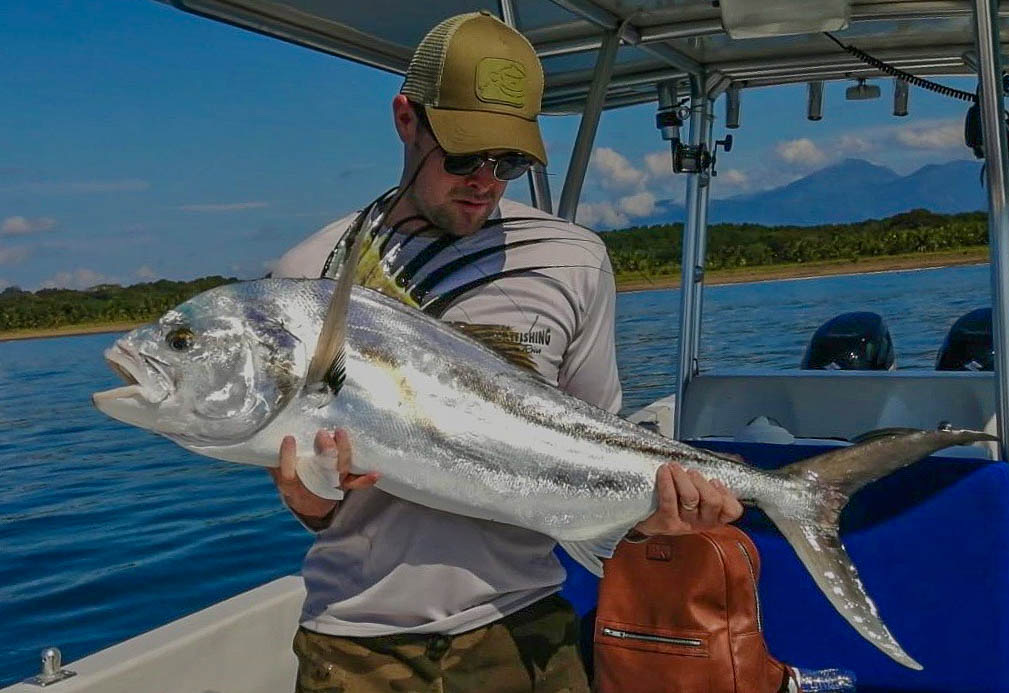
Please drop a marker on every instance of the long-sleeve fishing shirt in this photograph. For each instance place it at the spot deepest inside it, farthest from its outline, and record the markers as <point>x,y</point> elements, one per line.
<point>386,565</point>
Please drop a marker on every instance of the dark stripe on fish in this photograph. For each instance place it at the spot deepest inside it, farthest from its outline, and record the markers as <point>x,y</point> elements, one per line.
<point>491,390</point>
<point>576,480</point>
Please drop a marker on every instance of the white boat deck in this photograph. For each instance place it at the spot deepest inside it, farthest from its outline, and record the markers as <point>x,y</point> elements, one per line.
<point>240,645</point>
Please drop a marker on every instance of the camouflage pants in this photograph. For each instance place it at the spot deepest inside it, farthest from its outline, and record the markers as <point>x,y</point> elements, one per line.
<point>534,650</point>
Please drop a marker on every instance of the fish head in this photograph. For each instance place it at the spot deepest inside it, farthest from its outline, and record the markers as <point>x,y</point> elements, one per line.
<point>211,372</point>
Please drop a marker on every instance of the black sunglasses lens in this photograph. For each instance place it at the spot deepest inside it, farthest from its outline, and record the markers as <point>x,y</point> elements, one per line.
<point>511,166</point>
<point>462,164</point>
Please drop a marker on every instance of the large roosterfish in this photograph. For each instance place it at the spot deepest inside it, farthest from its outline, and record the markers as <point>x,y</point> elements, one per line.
<point>457,421</point>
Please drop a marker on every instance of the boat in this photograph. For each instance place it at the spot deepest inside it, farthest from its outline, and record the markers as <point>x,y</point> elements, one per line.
<point>931,542</point>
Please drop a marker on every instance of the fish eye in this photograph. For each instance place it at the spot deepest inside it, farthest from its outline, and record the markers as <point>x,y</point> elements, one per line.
<point>180,339</point>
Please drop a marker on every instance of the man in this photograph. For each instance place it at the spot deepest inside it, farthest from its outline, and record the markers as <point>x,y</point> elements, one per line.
<point>403,597</point>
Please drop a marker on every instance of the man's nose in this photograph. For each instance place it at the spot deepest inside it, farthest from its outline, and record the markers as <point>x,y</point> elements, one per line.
<point>483,178</point>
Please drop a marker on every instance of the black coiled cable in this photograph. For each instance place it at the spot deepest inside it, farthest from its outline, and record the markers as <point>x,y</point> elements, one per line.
<point>901,74</point>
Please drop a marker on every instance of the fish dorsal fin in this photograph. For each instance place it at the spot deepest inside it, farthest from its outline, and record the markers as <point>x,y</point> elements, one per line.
<point>328,362</point>
<point>360,264</point>
<point>498,338</point>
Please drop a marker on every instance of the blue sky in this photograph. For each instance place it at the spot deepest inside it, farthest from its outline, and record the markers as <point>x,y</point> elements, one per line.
<point>139,142</point>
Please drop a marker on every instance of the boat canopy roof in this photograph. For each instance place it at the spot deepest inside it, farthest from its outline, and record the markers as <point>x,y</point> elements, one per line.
<point>738,43</point>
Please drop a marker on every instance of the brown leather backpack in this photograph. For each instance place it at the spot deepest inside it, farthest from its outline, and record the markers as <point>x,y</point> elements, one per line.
<point>681,615</point>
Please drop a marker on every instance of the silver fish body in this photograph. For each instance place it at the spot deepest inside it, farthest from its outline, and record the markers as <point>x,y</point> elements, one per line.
<point>451,425</point>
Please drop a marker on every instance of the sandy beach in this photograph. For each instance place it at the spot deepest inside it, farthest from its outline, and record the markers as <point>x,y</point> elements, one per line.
<point>893,263</point>
<point>890,263</point>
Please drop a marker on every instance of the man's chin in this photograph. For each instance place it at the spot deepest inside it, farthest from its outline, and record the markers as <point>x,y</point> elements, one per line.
<point>465,224</point>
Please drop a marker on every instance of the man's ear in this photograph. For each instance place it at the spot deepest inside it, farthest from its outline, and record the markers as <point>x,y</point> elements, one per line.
<point>405,119</point>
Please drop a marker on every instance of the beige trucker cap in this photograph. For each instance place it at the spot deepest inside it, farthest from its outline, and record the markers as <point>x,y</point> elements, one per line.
<point>480,83</point>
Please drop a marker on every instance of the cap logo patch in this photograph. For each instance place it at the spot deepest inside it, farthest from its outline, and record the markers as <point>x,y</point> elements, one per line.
<point>499,80</point>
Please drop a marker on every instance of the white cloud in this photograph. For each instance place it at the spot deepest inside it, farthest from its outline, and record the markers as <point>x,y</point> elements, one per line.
<point>5,283</point>
<point>224,207</point>
<point>946,135</point>
<point>617,172</point>
<point>610,215</point>
<point>14,255</point>
<point>146,273</point>
<point>19,225</point>
<point>733,177</point>
<point>601,215</point>
<point>81,278</point>
<point>802,152</point>
<point>640,205</point>
<point>660,163</point>
<point>852,144</point>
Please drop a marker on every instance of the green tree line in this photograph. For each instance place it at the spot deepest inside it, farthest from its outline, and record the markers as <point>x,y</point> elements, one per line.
<point>651,251</point>
<point>107,303</point>
<point>656,250</point>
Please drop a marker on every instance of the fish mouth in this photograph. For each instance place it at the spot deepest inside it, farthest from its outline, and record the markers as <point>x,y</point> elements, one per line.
<point>144,379</point>
<point>122,372</point>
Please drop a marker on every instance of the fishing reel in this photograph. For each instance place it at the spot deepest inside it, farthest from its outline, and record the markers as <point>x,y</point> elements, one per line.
<point>973,135</point>
<point>671,116</point>
<point>689,158</point>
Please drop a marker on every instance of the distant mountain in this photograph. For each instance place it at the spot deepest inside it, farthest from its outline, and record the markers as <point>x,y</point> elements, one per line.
<point>852,190</point>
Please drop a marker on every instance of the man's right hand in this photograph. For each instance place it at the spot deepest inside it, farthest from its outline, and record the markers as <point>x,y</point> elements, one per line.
<point>299,499</point>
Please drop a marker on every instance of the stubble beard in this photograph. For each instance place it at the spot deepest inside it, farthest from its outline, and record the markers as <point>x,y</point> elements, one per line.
<point>447,218</point>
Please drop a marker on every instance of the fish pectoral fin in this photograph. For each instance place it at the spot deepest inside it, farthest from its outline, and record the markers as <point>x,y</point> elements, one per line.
<point>589,552</point>
<point>820,549</point>
<point>320,476</point>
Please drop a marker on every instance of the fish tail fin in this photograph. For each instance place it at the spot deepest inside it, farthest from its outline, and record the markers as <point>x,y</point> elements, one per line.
<point>828,481</point>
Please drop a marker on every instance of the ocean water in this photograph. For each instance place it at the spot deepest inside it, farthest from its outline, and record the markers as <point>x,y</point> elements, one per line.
<point>107,531</point>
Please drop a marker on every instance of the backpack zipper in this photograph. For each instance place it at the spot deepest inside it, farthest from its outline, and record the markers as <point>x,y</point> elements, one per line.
<point>753,577</point>
<point>629,635</point>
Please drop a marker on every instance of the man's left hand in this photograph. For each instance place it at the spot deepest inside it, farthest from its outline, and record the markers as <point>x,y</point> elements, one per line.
<point>688,503</point>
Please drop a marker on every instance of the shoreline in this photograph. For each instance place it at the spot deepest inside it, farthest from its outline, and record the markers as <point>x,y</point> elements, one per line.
<point>761,273</point>
<point>68,331</point>
<point>813,270</point>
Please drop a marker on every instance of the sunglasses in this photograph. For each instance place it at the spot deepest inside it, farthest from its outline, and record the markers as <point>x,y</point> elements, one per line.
<point>508,166</point>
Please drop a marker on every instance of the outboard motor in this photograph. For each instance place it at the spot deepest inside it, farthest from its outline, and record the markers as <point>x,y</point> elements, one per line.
<point>968,345</point>
<point>851,341</point>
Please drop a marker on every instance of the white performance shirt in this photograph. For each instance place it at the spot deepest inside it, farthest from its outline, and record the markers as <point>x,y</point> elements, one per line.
<point>389,566</point>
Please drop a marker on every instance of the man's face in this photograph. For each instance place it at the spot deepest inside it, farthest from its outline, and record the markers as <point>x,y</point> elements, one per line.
<point>457,204</point>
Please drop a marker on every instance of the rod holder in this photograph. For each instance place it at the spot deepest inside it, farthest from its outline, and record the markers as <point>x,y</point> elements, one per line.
<point>900,94</point>
<point>814,101</point>
<point>732,107</point>
<point>668,119</point>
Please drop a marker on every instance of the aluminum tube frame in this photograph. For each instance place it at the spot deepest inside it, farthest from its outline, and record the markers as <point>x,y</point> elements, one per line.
<point>539,189</point>
<point>288,25</point>
<point>574,106</point>
<point>705,115</point>
<point>996,155</point>
<point>568,206</point>
<point>694,243</point>
<point>600,16</point>
<point>508,14</point>
<point>574,84</point>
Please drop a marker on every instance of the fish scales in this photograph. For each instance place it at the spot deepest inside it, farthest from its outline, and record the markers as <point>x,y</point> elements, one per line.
<point>546,448</point>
